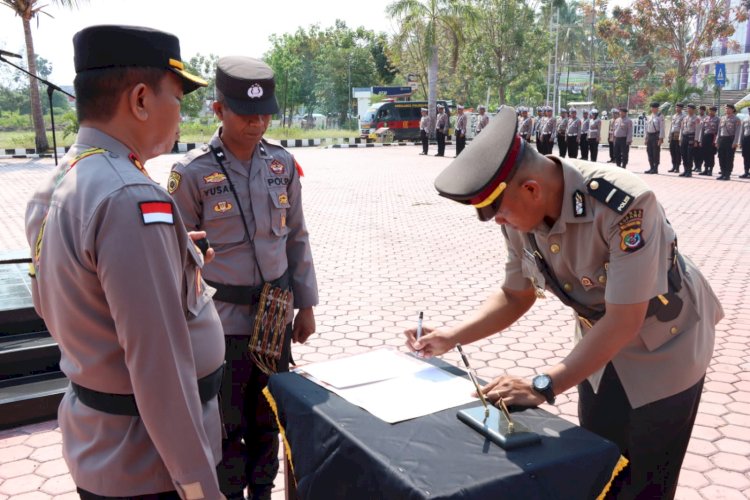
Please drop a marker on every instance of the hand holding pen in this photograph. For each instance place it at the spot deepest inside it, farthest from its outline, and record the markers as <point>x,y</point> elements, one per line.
<point>431,341</point>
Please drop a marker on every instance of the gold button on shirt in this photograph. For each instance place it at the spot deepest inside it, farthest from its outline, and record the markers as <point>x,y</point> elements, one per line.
<point>554,248</point>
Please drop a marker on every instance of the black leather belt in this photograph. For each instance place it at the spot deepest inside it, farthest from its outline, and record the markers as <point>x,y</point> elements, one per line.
<point>244,295</point>
<point>125,404</point>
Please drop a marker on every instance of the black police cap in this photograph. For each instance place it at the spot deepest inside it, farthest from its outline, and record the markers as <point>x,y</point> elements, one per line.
<point>713,108</point>
<point>247,84</point>
<point>655,104</point>
<point>691,106</point>
<point>479,175</point>
<point>110,46</point>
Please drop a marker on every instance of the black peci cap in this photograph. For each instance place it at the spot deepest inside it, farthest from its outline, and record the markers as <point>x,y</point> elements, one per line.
<point>110,46</point>
<point>679,105</point>
<point>247,84</point>
<point>713,108</point>
<point>730,106</point>
<point>623,109</point>
<point>655,104</point>
<point>478,176</point>
<point>691,105</point>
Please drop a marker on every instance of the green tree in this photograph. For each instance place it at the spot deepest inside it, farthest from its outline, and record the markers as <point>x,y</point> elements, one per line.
<point>205,67</point>
<point>679,91</point>
<point>28,10</point>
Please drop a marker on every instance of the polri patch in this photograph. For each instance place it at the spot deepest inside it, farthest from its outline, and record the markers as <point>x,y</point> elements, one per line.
<point>156,212</point>
<point>214,178</point>
<point>631,231</point>
<point>579,204</point>
<point>174,182</point>
<point>223,206</point>
<point>277,167</point>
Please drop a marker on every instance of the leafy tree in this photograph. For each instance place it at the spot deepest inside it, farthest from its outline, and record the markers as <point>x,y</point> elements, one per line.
<point>28,10</point>
<point>205,67</point>
<point>679,91</point>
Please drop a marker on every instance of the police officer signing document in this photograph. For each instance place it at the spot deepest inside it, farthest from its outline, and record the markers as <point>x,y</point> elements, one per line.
<point>118,282</point>
<point>596,237</point>
<point>246,194</point>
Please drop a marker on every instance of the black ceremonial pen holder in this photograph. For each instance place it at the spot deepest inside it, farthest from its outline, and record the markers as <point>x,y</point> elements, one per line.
<point>496,428</point>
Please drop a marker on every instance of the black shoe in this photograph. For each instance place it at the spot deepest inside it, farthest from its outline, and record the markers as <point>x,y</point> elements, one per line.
<point>746,175</point>
<point>722,178</point>
<point>422,153</point>
<point>610,161</point>
<point>439,155</point>
<point>696,169</point>
<point>672,170</point>
<point>684,174</point>
<point>705,172</point>
<point>649,171</point>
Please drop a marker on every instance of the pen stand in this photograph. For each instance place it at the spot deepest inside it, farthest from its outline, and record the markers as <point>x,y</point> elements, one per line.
<point>495,428</point>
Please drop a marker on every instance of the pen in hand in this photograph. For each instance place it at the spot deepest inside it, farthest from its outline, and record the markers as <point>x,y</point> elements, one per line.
<point>419,331</point>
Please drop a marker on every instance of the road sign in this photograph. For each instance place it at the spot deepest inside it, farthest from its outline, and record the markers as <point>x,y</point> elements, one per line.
<point>721,74</point>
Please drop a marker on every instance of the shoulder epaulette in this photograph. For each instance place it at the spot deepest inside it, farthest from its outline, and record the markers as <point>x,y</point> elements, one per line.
<point>194,153</point>
<point>609,194</point>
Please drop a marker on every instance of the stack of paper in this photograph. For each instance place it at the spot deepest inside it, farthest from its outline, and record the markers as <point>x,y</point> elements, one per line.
<point>391,385</point>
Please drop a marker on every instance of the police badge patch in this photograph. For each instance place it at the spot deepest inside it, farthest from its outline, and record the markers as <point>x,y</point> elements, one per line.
<point>579,205</point>
<point>277,167</point>
<point>174,182</point>
<point>630,231</point>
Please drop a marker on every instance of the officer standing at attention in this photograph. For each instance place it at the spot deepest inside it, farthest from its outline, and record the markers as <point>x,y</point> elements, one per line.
<point>460,129</point>
<point>709,129</point>
<point>730,129</point>
<point>245,193</point>
<point>538,125</point>
<point>698,149</point>
<point>441,129</point>
<point>654,138</point>
<point>573,133</point>
<point>623,135</point>
<point>595,127</point>
<point>524,129</point>
<point>689,140</point>
<point>597,238</point>
<point>548,130</point>
<point>482,119</point>
<point>675,132</point>
<point>585,136</point>
<point>611,139</point>
<point>118,282</point>
<point>424,130</point>
<point>562,126</point>
<point>745,149</point>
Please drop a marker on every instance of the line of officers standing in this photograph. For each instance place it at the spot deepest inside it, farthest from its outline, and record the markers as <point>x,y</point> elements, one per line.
<point>573,134</point>
<point>695,138</point>
<point>442,126</point>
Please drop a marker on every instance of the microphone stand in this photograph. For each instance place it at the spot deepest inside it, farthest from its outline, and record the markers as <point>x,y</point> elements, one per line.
<point>51,87</point>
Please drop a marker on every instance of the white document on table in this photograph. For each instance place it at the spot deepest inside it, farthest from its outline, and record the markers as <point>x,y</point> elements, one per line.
<point>406,395</point>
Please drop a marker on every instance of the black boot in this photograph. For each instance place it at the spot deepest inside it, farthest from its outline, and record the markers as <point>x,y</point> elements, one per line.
<point>746,175</point>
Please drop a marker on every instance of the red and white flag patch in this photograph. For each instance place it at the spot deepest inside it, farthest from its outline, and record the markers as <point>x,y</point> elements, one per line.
<point>156,212</point>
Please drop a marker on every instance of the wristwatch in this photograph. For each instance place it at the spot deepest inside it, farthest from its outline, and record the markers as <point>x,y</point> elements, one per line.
<point>543,385</point>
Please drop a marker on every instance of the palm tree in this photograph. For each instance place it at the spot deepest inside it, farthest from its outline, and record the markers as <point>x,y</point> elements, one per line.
<point>27,10</point>
<point>438,17</point>
<point>680,91</point>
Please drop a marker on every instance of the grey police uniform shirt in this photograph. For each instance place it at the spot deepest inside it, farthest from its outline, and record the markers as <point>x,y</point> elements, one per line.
<point>562,126</point>
<point>424,124</point>
<point>525,126</point>
<point>731,126</point>
<point>624,128</point>
<point>461,125</point>
<point>585,126</point>
<point>655,125</point>
<point>691,125</point>
<point>549,125</point>
<point>574,128</point>
<point>676,128</point>
<point>119,287</point>
<point>710,126</point>
<point>595,254</point>
<point>441,124</point>
<point>745,128</point>
<point>595,128</point>
<point>482,122</point>
<point>270,193</point>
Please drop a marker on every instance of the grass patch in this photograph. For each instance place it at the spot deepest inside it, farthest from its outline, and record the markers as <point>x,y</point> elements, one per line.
<point>25,139</point>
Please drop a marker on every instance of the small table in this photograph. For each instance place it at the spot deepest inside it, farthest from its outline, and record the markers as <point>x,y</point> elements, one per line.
<point>340,451</point>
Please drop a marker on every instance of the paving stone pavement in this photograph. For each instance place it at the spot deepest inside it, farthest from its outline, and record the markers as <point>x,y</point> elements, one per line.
<point>386,247</point>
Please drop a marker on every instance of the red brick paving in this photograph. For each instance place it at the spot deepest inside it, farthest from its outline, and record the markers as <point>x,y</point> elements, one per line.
<point>386,246</point>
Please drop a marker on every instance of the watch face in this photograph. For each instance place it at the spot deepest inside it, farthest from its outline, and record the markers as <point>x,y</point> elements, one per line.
<point>541,382</point>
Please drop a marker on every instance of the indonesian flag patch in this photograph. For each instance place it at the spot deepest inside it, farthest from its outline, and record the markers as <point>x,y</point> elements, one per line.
<point>156,212</point>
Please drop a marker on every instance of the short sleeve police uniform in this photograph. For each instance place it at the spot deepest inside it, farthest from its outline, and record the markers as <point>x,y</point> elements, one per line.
<point>118,283</point>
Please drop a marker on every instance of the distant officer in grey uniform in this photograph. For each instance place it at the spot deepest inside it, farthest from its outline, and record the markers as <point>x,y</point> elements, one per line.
<point>482,119</point>
<point>654,130</point>
<point>709,129</point>
<point>689,135</point>
<point>730,129</point>
<point>584,136</point>
<point>562,127</point>
<point>698,149</point>
<point>424,130</point>
<point>614,114</point>
<point>526,125</point>
<point>745,149</point>
<point>675,132</point>
<point>623,135</point>
<point>245,193</point>
<point>118,282</point>
<point>461,124</point>
<point>573,133</point>
<point>549,126</point>
<point>597,238</point>
<point>441,129</point>
<point>538,122</point>
<point>595,129</point>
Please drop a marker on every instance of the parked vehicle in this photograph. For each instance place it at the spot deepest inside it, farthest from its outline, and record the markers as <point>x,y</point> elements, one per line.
<point>401,118</point>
